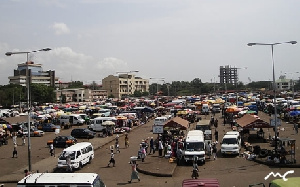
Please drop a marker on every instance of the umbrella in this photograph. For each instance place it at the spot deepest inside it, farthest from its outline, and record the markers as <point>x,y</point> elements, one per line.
<point>295,113</point>
<point>108,123</point>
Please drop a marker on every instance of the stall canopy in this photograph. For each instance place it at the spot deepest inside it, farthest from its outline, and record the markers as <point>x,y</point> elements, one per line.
<point>177,122</point>
<point>250,121</point>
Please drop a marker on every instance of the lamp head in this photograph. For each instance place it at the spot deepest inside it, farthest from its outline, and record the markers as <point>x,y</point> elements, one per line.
<point>250,44</point>
<point>8,53</point>
<point>293,42</point>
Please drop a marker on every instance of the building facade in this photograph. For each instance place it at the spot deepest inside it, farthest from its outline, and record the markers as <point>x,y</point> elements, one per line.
<point>80,95</point>
<point>35,73</point>
<point>228,75</point>
<point>124,85</point>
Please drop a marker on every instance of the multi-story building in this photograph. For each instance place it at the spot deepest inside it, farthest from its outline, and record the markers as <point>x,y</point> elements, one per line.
<point>80,95</point>
<point>228,75</point>
<point>35,74</point>
<point>124,85</point>
<point>283,83</point>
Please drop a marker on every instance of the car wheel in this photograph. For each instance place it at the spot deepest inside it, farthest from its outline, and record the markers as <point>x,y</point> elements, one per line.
<point>90,160</point>
<point>80,165</point>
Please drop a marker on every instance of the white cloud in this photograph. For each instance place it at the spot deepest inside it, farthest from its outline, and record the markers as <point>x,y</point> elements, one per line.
<point>70,65</point>
<point>60,28</point>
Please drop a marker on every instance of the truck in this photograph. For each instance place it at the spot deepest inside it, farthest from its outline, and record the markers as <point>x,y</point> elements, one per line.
<point>204,126</point>
<point>194,145</point>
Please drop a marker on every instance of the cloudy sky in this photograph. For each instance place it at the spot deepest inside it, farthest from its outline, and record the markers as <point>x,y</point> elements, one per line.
<point>172,39</point>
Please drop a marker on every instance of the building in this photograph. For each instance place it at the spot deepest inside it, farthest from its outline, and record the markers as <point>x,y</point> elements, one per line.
<point>124,85</point>
<point>284,84</point>
<point>80,95</point>
<point>35,73</point>
<point>228,75</point>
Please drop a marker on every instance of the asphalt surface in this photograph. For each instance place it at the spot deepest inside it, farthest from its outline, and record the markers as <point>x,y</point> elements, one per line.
<point>154,166</point>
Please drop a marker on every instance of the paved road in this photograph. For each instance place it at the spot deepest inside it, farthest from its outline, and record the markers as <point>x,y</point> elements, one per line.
<point>230,171</point>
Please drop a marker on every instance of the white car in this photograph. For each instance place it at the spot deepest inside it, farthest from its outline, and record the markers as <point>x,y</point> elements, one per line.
<point>34,132</point>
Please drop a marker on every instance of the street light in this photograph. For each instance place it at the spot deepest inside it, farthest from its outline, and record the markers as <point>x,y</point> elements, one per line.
<point>28,96</point>
<point>274,84</point>
<point>127,72</point>
<point>158,79</point>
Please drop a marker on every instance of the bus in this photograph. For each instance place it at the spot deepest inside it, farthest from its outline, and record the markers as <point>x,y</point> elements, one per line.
<point>61,179</point>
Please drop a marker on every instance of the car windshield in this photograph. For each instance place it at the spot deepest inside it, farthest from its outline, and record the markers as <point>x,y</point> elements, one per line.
<point>229,141</point>
<point>195,146</point>
<point>64,155</point>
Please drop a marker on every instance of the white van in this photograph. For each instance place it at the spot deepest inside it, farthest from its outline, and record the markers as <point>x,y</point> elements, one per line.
<point>80,154</point>
<point>194,145</point>
<point>231,144</point>
<point>96,123</point>
<point>61,179</point>
<point>205,109</point>
<point>160,120</point>
<point>72,119</point>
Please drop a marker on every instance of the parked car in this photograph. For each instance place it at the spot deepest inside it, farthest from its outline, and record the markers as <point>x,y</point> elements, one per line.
<point>34,132</point>
<point>47,127</point>
<point>62,141</point>
<point>82,133</point>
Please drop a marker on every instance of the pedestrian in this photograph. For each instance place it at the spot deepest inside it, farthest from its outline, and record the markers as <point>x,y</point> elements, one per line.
<point>143,152</point>
<point>134,173</point>
<point>68,162</point>
<point>51,147</point>
<point>23,140</point>
<point>112,159</point>
<point>117,144</point>
<point>14,138</point>
<point>214,150</point>
<point>160,148</point>
<point>15,152</point>
<point>26,172</point>
<point>209,152</point>
<point>296,127</point>
<point>126,140</point>
<point>216,135</point>
<point>152,150</point>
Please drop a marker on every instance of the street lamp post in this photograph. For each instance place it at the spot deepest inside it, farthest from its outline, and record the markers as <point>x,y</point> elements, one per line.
<point>127,72</point>
<point>274,83</point>
<point>28,97</point>
<point>158,79</point>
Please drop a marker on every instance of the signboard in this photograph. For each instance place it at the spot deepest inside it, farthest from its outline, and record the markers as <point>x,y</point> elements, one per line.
<point>272,122</point>
<point>158,129</point>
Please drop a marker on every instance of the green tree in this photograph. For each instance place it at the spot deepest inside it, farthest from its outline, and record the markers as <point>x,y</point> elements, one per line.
<point>41,93</point>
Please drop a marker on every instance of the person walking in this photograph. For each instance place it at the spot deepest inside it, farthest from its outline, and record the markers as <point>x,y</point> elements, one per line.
<point>117,144</point>
<point>296,127</point>
<point>126,141</point>
<point>216,135</point>
<point>15,152</point>
<point>23,140</point>
<point>214,150</point>
<point>152,150</point>
<point>51,147</point>
<point>68,162</point>
<point>160,148</point>
<point>134,172</point>
<point>112,159</point>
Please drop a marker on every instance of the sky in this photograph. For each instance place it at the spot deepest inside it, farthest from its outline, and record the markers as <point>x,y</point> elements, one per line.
<point>174,40</point>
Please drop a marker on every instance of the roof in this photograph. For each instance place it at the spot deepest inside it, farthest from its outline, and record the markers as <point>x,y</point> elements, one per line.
<point>16,120</point>
<point>200,182</point>
<point>177,122</point>
<point>250,121</point>
<point>59,178</point>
